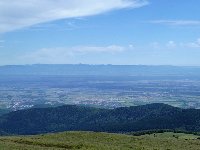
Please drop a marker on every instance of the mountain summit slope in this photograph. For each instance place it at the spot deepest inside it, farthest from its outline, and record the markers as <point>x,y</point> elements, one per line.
<point>101,141</point>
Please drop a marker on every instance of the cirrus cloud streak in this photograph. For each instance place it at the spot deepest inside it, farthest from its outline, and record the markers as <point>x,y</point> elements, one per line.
<point>177,22</point>
<point>24,13</point>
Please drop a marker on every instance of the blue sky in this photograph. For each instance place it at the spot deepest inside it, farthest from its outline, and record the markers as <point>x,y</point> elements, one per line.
<point>148,32</point>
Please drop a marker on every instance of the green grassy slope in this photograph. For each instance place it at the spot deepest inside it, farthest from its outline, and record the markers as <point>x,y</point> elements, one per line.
<point>101,141</point>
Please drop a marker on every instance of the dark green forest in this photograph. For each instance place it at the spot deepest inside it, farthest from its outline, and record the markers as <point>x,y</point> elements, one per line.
<point>119,120</point>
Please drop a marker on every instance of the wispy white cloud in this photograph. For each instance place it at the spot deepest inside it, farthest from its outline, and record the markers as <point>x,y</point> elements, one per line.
<point>23,13</point>
<point>65,25</point>
<point>154,45</point>
<point>177,22</point>
<point>176,45</point>
<point>92,49</point>
<point>171,44</point>
<point>63,54</point>
<point>66,54</point>
<point>1,43</point>
<point>195,44</point>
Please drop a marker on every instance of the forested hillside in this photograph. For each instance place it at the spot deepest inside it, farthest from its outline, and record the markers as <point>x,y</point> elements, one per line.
<point>67,118</point>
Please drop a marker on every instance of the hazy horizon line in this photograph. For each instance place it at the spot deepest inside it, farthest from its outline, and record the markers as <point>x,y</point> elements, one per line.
<point>102,65</point>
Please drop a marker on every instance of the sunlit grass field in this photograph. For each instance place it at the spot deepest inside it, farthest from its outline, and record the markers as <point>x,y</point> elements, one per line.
<point>101,141</point>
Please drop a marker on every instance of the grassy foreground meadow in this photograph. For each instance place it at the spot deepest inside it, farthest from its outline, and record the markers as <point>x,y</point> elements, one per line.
<point>101,141</point>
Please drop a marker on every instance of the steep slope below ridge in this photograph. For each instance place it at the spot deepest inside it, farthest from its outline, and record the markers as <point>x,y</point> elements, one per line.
<point>79,118</point>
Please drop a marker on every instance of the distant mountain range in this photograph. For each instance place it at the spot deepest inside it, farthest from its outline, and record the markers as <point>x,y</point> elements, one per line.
<point>107,70</point>
<point>79,118</point>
